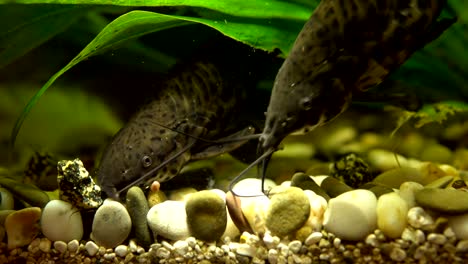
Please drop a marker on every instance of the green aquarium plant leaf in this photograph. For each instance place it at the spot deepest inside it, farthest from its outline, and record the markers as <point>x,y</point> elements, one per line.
<point>271,33</point>
<point>429,113</point>
<point>26,27</point>
<point>128,26</point>
<point>298,9</point>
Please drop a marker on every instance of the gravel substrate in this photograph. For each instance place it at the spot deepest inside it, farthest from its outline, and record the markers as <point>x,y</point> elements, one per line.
<point>322,247</point>
<point>416,213</point>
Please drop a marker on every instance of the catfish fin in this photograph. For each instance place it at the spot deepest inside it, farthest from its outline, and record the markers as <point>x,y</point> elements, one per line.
<point>226,144</point>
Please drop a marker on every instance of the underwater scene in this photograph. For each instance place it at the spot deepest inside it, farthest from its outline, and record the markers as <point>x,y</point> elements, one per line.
<point>227,131</point>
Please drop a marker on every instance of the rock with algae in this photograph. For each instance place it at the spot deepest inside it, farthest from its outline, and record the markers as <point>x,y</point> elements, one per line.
<point>76,186</point>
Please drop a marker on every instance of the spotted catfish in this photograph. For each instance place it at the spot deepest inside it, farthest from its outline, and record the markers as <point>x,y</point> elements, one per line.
<point>195,115</point>
<point>346,47</point>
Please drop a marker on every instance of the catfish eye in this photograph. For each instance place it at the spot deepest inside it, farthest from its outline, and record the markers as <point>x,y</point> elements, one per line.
<point>306,103</point>
<point>147,161</point>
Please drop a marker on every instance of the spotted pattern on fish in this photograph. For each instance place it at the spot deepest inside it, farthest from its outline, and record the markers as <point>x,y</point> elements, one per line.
<point>198,100</point>
<point>346,47</point>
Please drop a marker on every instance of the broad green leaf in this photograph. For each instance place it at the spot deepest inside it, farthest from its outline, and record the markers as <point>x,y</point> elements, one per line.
<point>138,23</point>
<point>126,27</point>
<point>299,10</point>
<point>26,27</point>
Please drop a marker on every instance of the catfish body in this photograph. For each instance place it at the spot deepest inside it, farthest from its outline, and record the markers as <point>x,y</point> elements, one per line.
<point>199,100</point>
<point>346,47</point>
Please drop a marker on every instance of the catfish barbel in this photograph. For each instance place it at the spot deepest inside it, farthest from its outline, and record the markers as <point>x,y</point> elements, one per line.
<point>345,48</point>
<point>195,115</point>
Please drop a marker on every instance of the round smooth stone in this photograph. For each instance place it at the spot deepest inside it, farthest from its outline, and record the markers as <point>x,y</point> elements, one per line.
<point>252,187</point>
<point>395,177</point>
<point>60,221</point>
<point>138,208</point>
<point>448,201</point>
<point>111,225</point>
<point>391,214</point>
<point>407,192</point>
<point>318,205</point>
<point>459,225</point>
<point>289,210</point>
<point>206,215</point>
<point>91,248</point>
<point>169,220</point>
<point>385,160</point>
<point>333,187</point>
<point>377,189</point>
<point>121,250</point>
<point>351,215</point>
<point>254,209</point>
<point>22,226</point>
<point>305,182</point>
<point>436,153</point>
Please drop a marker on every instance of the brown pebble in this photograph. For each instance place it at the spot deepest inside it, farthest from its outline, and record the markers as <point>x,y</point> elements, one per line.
<point>233,204</point>
<point>443,200</point>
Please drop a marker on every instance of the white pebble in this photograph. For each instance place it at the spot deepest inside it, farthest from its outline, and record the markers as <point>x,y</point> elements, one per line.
<point>372,240</point>
<point>273,256</point>
<point>111,224</point>
<point>121,250</point>
<point>109,256</point>
<point>269,240</point>
<point>407,191</point>
<point>45,245</point>
<point>397,254</point>
<point>438,239</point>
<point>337,242</point>
<point>418,218</point>
<point>254,210</point>
<point>60,246</point>
<point>181,247</point>
<point>163,253</point>
<point>313,238</point>
<point>167,245</point>
<point>61,222</point>
<point>459,225</point>
<point>73,246</point>
<point>295,246</point>
<point>252,186</point>
<point>351,215</point>
<point>133,245</point>
<point>391,214</point>
<point>169,220</point>
<point>462,246</point>
<point>218,252</point>
<point>283,249</point>
<point>318,205</point>
<point>91,248</point>
<point>191,241</point>
<point>246,250</point>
